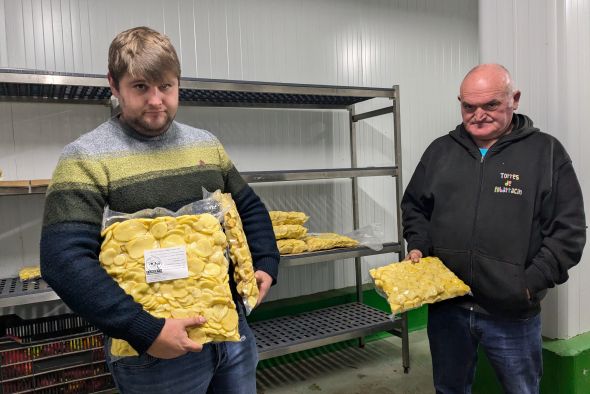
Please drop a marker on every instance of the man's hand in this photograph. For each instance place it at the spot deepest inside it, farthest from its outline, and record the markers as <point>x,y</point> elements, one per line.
<point>173,340</point>
<point>264,281</point>
<point>415,255</point>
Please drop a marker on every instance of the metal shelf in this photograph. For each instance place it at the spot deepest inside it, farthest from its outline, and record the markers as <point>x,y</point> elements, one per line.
<point>39,186</point>
<point>336,254</point>
<point>35,85</point>
<point>277,336</point>
<point>14,292</point>
<point>32,186</point>
<point>288,334</point>
<point>326,173</point>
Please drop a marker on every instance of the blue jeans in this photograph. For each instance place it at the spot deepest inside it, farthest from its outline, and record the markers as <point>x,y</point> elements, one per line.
<point>514,348</point>
<point>225,368</point>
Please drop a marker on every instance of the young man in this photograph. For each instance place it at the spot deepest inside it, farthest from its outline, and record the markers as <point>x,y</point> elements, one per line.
<point>142,159</point>
<point>498,201</point>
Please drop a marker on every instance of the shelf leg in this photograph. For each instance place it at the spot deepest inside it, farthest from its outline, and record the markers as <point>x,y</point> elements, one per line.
<point>405,343</point>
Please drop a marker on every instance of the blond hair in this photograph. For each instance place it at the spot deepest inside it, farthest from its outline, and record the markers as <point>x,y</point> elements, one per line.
<point>142,52</point>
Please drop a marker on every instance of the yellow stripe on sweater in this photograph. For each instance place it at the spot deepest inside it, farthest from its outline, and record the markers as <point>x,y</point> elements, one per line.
<point>95,170</point>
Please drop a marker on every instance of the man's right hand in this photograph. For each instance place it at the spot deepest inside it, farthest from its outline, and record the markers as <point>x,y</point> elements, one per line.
<point>415,255</point>
<point>173,340</point>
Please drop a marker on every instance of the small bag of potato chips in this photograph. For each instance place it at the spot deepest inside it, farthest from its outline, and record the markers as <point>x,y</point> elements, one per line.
<point>175,265</point>
<point>408,285</point>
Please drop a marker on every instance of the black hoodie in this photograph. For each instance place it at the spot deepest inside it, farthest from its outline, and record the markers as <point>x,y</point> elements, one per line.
<point>504,223</point>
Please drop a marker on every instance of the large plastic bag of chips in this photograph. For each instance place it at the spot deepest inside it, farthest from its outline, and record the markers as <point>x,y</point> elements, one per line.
<point>174,264</point>
<point>408,285</point>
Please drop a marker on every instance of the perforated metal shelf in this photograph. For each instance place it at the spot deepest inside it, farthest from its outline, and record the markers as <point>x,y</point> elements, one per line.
<point>15,292</point>
<point>288,334</point>
<point>336,254</point>
<point>35,85</point>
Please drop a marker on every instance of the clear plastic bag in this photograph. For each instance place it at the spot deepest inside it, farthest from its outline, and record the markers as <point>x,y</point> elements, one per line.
<point>206,205</point>
<point>138,246</point>
<point>370,236</point>
<point>407,285</point>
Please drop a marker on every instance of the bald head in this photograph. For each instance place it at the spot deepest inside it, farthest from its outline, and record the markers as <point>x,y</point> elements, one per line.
<point>488,100</point>
<point>485,74</point>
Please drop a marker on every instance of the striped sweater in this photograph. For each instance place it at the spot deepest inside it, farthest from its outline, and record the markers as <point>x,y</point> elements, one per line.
<point>115,166</point>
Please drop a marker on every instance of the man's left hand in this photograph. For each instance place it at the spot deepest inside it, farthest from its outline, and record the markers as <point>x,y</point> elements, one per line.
<point>264,281</point>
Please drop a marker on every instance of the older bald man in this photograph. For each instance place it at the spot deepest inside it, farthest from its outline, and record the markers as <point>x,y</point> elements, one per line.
<point>499,203</point>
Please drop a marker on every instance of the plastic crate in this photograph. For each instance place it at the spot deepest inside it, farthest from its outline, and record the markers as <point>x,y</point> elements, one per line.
<point>62,354</point>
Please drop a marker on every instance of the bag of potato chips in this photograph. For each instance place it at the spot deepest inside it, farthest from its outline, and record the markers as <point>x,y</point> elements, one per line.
<point>407,285</point>
<point>175,265</point>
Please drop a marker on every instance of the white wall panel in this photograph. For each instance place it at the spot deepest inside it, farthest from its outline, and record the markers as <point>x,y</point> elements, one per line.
<point>32,135</point>
<point>424,46</point>
<point>546,45</point>
<point>3,45</point>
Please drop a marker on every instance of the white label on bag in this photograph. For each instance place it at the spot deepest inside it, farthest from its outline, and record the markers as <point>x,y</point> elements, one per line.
<point>165,264</point>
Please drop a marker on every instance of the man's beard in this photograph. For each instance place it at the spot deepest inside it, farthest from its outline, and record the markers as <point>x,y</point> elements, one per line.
<point>146,128</point>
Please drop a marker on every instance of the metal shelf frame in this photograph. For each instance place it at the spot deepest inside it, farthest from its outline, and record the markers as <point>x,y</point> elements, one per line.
<point>34,85</point>
<point>39,186</point>
<point>43,86</point>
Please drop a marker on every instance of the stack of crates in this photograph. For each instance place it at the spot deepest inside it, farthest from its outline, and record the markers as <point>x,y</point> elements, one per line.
<point>62,354</point>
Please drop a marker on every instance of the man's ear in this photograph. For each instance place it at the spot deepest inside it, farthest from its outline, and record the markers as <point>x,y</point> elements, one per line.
<point>515,100</point>
<point>114,85</point>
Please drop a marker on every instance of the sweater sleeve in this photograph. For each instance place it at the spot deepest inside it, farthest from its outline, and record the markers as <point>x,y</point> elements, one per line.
<point>563,229</point>
<point>70,246</point>
<point>416,211</point>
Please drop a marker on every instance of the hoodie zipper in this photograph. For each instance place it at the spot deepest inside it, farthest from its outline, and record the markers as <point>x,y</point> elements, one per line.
<point>475,217</point>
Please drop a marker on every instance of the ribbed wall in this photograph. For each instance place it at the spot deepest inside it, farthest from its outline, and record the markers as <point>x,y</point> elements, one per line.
<point>424,46</point>
<point>546,45</point>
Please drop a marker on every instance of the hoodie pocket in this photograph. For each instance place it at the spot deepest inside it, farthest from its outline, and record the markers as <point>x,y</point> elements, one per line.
<point>499,284</point>
<point>455,260</point>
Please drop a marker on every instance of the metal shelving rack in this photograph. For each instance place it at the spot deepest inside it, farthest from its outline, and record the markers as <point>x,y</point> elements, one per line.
<point>277,336</point>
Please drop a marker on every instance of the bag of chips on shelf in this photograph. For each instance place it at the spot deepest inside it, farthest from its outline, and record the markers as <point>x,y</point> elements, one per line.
<point>284,231</point>
<point>291,246</point>
<point>407,285</point>
<point>287,217</point>
<point>29,273</point>
<point>323,241</point>
<point>175,265</point>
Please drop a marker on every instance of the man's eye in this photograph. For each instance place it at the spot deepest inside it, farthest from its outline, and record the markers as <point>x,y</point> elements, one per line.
<point>140,86</point>
<point>468,107</point>
<point>165,86</point>
<point>490,107</point>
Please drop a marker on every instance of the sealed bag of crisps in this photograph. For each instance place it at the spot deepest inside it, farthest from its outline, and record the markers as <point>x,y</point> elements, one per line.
<point>407,285</point>
<point>175,265</point>
<point>239,251</point>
